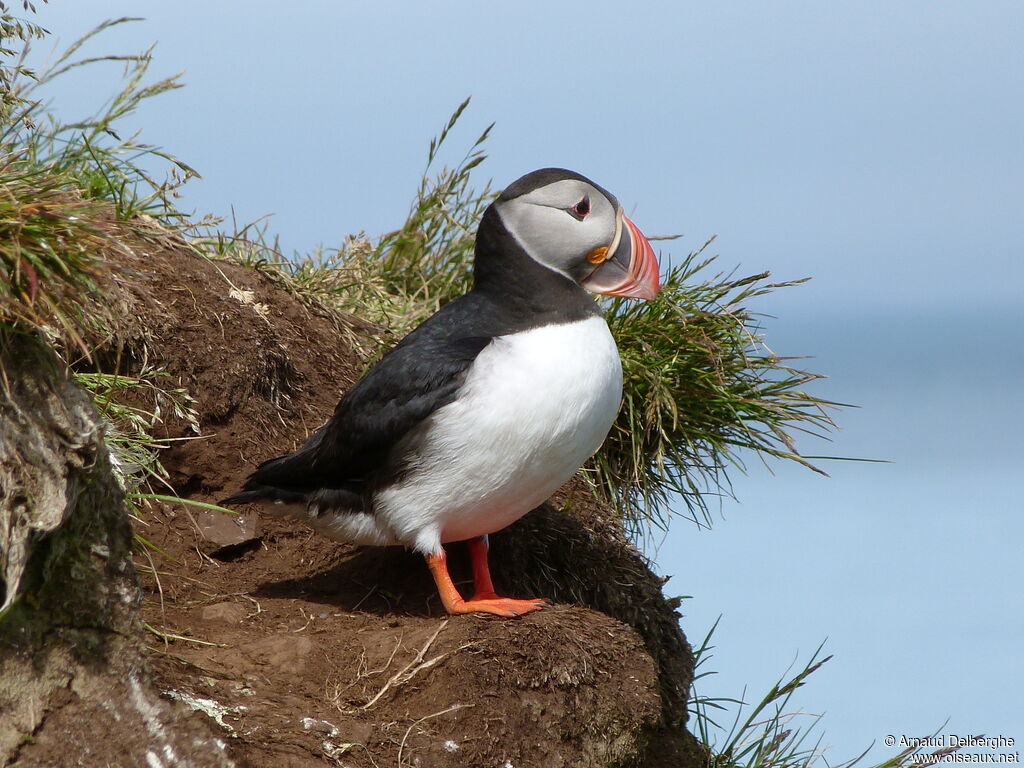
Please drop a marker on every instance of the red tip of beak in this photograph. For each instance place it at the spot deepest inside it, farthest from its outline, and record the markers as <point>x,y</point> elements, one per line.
<point>642,281</point>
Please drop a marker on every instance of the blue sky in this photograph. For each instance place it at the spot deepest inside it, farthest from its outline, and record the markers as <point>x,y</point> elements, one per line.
<point>875,146</point>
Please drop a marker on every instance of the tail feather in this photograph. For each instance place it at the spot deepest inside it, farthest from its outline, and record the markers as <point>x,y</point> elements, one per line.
<point>288,479</point>
<point>256,492</point>
<point>293,479</point>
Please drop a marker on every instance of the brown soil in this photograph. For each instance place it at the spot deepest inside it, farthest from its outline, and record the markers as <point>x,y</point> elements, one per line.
<point>298,651</point>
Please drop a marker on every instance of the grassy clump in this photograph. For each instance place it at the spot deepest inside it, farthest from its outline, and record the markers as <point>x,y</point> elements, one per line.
<point>700,388</point>
<point>73,193</point>
<point>134,451</point>
<point>52,248</point>
<point>428,260</point>
<point>770,733</point>
<point>66,185</point>
<point>90,151</point>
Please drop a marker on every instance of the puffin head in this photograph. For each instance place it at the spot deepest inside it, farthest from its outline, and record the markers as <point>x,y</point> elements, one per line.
<point>569,224</point>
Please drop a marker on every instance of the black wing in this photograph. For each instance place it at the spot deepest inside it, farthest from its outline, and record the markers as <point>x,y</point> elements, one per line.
<point>421,374</point>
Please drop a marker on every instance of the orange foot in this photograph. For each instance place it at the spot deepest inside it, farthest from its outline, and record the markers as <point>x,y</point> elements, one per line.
<point>484,599</point>
<point>507,607</point>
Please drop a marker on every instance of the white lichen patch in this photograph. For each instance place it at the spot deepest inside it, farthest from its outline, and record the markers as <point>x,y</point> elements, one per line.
<point>212,709</point>
<point>334,751</point>
<point>450,746</point>
<point>320,726</point>
<point>149,709</point>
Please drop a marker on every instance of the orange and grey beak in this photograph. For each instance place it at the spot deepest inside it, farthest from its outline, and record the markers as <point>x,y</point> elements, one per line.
<point>628,268</point>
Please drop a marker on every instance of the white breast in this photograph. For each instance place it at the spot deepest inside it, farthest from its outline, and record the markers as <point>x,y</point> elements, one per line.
<point>534,407</point>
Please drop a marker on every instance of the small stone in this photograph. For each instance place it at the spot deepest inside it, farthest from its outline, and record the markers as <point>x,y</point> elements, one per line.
<point>232,613</point>
<point>285,651</point>
<point>227,530</point>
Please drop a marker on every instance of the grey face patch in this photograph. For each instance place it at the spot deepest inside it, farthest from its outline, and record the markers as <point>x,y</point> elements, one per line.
<point>544,224</point>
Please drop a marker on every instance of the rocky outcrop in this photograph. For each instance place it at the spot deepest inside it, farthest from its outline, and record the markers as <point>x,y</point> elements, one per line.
<point>74,689</point>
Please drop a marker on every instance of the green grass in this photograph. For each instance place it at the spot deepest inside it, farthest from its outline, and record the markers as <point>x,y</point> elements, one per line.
<point>71,192</point>
<point>52,246</point>
<point>771,732</point>
<point>702,393</point>
<point>134,451</point>
<point>65,184</point>
<point>90,150</point>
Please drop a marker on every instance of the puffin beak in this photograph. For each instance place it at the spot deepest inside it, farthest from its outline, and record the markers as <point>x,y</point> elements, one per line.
<point>628,268</point>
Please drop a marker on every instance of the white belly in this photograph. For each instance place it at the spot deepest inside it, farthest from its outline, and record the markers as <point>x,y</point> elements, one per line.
<point>534,407</point>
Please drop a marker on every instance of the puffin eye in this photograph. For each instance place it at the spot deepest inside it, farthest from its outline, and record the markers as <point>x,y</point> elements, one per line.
<point>581,209</point>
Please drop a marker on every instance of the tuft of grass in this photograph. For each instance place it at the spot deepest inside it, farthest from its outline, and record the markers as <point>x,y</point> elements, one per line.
<point>134,451</point>
<point>770,733</point>
<point>52,248</point>
<point>701,387</point>
<point>90,151</point>
<point>427,260</point>
<point>72,191</point>
<point>129,436</point>
<point>65,185</point>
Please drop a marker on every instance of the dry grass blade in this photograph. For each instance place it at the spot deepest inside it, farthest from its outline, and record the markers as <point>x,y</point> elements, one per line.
<point>414,667</point>
<point>416,723</point>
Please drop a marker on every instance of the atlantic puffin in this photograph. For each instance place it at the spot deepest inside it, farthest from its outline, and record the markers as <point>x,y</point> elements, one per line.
<point>491,404</point>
